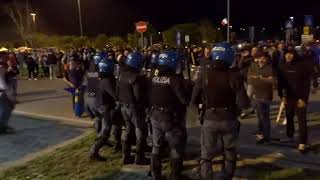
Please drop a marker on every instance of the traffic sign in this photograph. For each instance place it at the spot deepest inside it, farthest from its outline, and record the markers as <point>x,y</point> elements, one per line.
<point>187,38</point>
<point>308,20</point>
<point>306,30</point>
<point>307,38</point>
<point>141,26</point>
<point>289,24</point>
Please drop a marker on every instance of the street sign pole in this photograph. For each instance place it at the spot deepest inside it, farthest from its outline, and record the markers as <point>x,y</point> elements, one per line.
<point>228,14</point>
<point>142,40</point>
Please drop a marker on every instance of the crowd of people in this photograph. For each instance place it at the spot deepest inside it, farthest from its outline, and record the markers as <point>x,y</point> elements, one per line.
<point>152,88</point>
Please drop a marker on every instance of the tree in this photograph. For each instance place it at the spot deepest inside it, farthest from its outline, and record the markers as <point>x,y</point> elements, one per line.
<point>80,42</point>
<point>18,13</point>
<point>116,41</point>
<point>191,29</point>
<point>132,39</point>
<point>100,41</point>
<point>208,32</point>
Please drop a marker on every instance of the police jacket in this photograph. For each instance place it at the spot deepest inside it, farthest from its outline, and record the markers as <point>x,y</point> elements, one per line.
<point>294,79</point>
<point>167,89</point>
<point>129,86</point>
<point>220,87</point>
<point>93,81</point>
<point>107,89</point>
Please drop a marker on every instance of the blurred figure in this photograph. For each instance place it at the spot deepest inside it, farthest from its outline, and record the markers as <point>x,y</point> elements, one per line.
<point>262,84</point>
<point>294,81</point>
<point>31,66</point>
<point>52,63</point>
<point>7,101</point>
<point>12,79</point>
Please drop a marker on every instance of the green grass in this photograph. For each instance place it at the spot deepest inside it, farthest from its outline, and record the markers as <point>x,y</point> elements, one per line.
<point>70,162</point>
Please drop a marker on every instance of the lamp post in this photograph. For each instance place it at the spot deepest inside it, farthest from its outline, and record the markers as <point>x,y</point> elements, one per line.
<point>34,20</point>
<point>80,18</point>
<point>228,16</point>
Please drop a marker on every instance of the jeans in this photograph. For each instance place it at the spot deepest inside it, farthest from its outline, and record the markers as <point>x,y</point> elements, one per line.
<point>6,108</point>
<point>291,111</point>
<point>52,71</point>
<point>263,116</point>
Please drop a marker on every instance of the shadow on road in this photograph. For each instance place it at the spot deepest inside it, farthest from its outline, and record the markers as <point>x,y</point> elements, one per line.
<point>42,99</point>
<point>42,92</point>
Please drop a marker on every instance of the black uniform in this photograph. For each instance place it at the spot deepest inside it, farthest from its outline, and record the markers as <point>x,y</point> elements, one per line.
<point>91,95</point>
<point>220,88</point>
<point>167,94</point>
<point>294,81</point>
<point>132,109</point>
<point>107,99</point>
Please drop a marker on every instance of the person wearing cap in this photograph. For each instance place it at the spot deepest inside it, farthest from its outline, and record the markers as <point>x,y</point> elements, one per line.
<point>262,84</point>
<point>294,82</point>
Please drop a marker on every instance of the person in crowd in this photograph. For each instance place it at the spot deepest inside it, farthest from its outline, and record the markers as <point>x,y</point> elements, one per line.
<point>31,66</point>
<point>294,82</point>
<point>262,83</point>
<point>52,63</point>
<point>7,101</point>
<point>74,76</point>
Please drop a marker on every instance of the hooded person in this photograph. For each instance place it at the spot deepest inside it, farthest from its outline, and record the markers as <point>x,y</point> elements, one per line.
<point>294,82</point>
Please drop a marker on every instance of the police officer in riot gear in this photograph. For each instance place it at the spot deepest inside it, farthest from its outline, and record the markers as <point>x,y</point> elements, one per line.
<point>221,88</point>
<point>107,103</point>
<point>167,92</point>
<point>91,94</point>
<point>132,109</point>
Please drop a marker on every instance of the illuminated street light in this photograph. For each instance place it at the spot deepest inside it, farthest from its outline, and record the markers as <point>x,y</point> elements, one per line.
<point>33,17</point>
<point>80,18</point>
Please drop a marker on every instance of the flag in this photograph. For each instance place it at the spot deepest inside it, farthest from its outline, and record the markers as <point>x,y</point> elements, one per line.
<point>178,39</point>
<point>224,22</point>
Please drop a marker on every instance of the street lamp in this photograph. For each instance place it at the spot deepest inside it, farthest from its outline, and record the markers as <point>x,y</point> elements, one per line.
<point>80,18</point>
<point>33,17</point>
<point>228,14</point>
<point>34,20</point>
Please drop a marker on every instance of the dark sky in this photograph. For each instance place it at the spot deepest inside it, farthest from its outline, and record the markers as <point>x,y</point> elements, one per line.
<point>116,17</point>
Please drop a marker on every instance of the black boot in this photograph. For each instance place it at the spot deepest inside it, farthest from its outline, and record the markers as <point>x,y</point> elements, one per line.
<point>117,148</point>
<point>155,167</point>
<point>176,169</point>
<point>126,154</point>
<point>140,158</point>
<point>94,151</point>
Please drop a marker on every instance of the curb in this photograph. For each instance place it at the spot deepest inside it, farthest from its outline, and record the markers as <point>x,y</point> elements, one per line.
<point>50,149</point>
<point>59,119</point>
<point>283,158</point>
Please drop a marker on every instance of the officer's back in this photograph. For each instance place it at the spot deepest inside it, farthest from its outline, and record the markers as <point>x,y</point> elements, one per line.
<point>129,85</point>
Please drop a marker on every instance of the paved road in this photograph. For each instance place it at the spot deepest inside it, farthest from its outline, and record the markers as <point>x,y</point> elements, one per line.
<point>33,136</point>
<point>46,97</point>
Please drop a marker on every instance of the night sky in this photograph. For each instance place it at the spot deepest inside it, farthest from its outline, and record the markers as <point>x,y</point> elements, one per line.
<point>116,17</point>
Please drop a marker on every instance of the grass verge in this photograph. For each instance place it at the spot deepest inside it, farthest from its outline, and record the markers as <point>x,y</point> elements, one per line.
<point>70,162</point>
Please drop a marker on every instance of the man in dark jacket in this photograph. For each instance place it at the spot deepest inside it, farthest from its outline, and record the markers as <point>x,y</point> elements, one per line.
<point>294,81</point>
<point>52,63</point>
